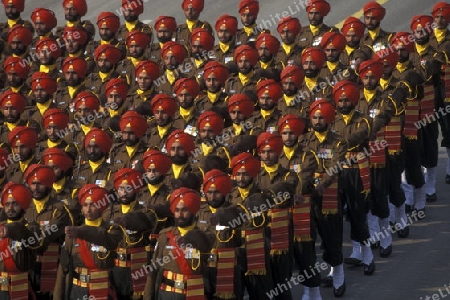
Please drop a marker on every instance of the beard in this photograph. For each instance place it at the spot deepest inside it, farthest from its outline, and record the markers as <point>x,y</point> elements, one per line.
<point>180,160</point>
<point>15,216</point>
<point>216,203</point>
<point>183,222</point>
<point>127,200</point>
<point>345,110</point>
<point>265,59</point>
<point>154,180</point>
<point>319,128</point>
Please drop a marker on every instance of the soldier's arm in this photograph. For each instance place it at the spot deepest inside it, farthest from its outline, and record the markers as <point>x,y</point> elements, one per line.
<point>309,164</point>
<point>55,229</point>
<point>150,285</point>
<point>340,149</point>
<point>108,238</point>
<point>360,135</point>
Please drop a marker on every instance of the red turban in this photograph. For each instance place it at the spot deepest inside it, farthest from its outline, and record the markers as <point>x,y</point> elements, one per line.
<point>401,39</point>
<point>245,160</point>
<point>353,24</point>
<point>44,15</point>
<point>178,50</point>
<point>41,173</point>
<point>58,158</point>
<point>160,160</point>
<point>96,194</point>
<point>217,69</point>
<point>197,4</point>
<point>23,33</point>
<point>100,137</point>
<point>56,116</point>
<point>78,64</point>
<point>272,140</point>
<point>16,65</point>
<point>132,177</point>
<point>372,66</point>
<point>270,86</point>
<point>113,54</point>
<point>136,37</point>
<point>164,102</point>
<point>250,53</point>
<point>166,21</point>
<point>390,56</point>
<point>422,22</point>
<point>135,121</point>
<point>44,80</point>
<point>118,85</point>
<point>80,6</point>
<point>320,6</point>
<point>252,6</point>
<point>442,8</point>
<point>87,98</point>
<point>4,157</point>
<point>150,67</point>
<point>336,39</point>
<point>271,42</point>
<point>190,198</point>
<point>211,119</point>
<point>16,100</point>
<point>185,140</point>
<point>292,122</point>
<point>137,6</point>
<point>325,108</point>
<point>295,73</point>
<point>24,135</point>
<point>316,54</point>
<point>219,179</point>
<point>205,38</point>
<point>76,34</point>
<point>230,23</point>
<point>111,20</point>
<point>348,89</point>
<point>19,192</point>
<point>188,84</point>
<point>292,24</point>
<point>18,4</point>
<point>374,9</point>
<point>49,45</point>
<point>241,102</point>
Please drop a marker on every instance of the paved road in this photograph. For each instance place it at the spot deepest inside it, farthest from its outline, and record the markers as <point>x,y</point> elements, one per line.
<point>419,265</point>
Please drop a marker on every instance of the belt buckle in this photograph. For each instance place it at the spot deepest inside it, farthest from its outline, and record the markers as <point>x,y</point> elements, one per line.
<point>212,258</point>
<point>4,280</point>
<point>179,284</point>
<point>85,278</point>
<point>122,257</point>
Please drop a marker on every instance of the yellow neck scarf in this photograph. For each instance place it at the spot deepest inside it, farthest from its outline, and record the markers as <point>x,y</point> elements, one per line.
<point>42,107</point>
<point>134,60</point>
<point>11,23</point>
<point>421,49</point>
<point>11,126</point>
<point>440,34</point>
<point>349,50</point>
<point>184,230</point>
<point>212,209</point>
<point>130,25</point>
<point>40,204</point>
<point>310,83</point>
<point>332,65</point>
<point>86,128</point>
<point>271,170</point>
<point>213,96</point>
<point>131,150</point>
<point>51,144</point>
<point>186,113</point>
<point>177,169</point>
<point>72,24</point>
<point>320,135</point>
<point>266,65</point>
<point>374,33</point>
<point>93,223</point>
<point>58,186</point>
<point>289,151</point>
<point>16,89</point>
<point>245,78</point>
<point>384,83</point>
<point>47,68</point>
<point>315,29</point>
<point>24,165</point>
<point>116,112</point>
<point>267,113</point>
<point>244,192</point>
<point>369,94</point>
<point>72,90</point>
<point>198,62</point>
<point>191,24</point>
<point>402,66</point>
<point>162,130</point>
<point>249,30</point>
<point>144,94</point>
<point>289,100</point>
<point>206,149</point>
<point>103,42</point>
<point>287,48</point>
<point>126,208</point>
<point>347,118</point>
<point>224,47</point>
<point>237,129</point>
<point>154,188</point>
<point>95,165</point>
<point>78,54</point>
<point>104,76</point>
<point>171,76</point>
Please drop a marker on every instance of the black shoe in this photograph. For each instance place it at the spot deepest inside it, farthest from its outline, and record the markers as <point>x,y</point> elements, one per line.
<point>352,261</point>
<point>375,245</point>
<point>431,198</point>
<point>447,179</point>
<point>403,233</point>
<point>385,252</point>
<point>408,208</point>
<point>369,269</point>
<point>340,291</point>
<point>327,281</point>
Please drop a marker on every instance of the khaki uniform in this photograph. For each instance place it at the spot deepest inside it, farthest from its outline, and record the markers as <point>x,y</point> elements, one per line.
<point>188,168</point>
<point>233,85</point>
<point>134,99</point>
<point>183,34</point>
<point>101,176</point>
<point>236,197</point>
<point>307,39</point>
<point>97,85</point>
<point>14,172</point>
<point>154,140</point>
<point>270,124</point>
<point>145,28</point>
<point>119,158</point>
<point>381,41</point>
<point>92,45</point>
<point>203,103</point>
<point>188,125</point>
<point>243,39</point>
<point>62,98</point>
<point>294,58</point>
<point>69,148</point>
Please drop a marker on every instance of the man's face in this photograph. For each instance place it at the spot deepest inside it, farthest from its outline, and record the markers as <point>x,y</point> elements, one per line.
<point>10,113</point>
<point>370,82</point>
<point>11,12</point>
<point>421,36</point>
<point>268,157</point>
<point>170,61</point>
<point>183,217</point>
<point>153,176</point>
<point>197,50</point>
<point>287,36</point>
<point>191,14</point>
<point>207,134</point>
<point>247,19</point>
<point>83,113</point>
<point>318,122</point>
<point>40,28</point>
<point>23,151</point>
<point>440,21</point>
<point>163,34</point>
<point>45,57</point>
<point>224,35</point>
<point>214,197</point>
<point>129,14</point>
<point>135,50</point>
<point>90,211</point>
<point>72,78</point>
<point>14,79</point>
<point>178,154</point>
<point>93,152</point>
<point>144,82</point>
<point>236,116</point>
<point>403,54</point>
<point>213,84</point>
<point>244,65</point>
<point>387,71</point>
<point>105,33</point>
<point>243,178</point>
<point>289,87</point>
<point>104,65</point>
<point>344,106</point>
<point>352,39</point>
<point>310,68</point>
<point>13,209</point>
<point>332,53</point>
<point>185,99</point>
<point>162,118</point>
<point>371,22</point>
<point>38,190</point>
<point>70,13</point>
<point>266,102</point>
<point>17,47</point>
<point>129,138</point>
<point>315,18</point>
<point>72,45</point>
<point>52,132</point>
<point>59,173</point>
<point>126,193</point>
<point>289,137</point>
<point>264,53</point>
<point>114,97</point>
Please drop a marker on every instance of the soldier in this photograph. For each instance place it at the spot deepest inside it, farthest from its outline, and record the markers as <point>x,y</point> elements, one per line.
<point>244,168</point>
<point>185,271</point>
<point>22,141</point>
<point>163,108</point>
<point>269,93</point>
<point>52,216</point>
<point>128,153</point>
<point>291,81</point>
<point>245,80</point>
<point>329,149</point>
<point>18,260</point>
<point>174,68</point>
<point>215,76</point>
<point>185,118</point>
<point>73,11</point>
<point>108,24</point>
<point>353,31</point>
<point>16,75</point>
<point>376,38</point>
<point>116,91</point>
<point>13,8</point>
<point>290,128</point>
<point>48,51</point>
<point>89,250</point>
<point>268,46</point>
<point>44,21</point>
<point>201,44</point>
<point>147,72</point>
<point>19,41</point>
<point>75,70</point>
<point>12,106</point>
<point>226,29</point>
<point>240,109</point>
<point>106,58</point>
<point>75,41</point>
<point>288,54</point>
<point>248,11</point>
<point>131,12</point>
<point>165,28</point>
<point>354,178</point>
<point>192,10</point>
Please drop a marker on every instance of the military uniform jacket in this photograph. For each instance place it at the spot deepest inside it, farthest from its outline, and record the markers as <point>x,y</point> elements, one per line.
<point>356,132</point>
<point>293,108</point>
<point>160,197</point>
<point>198,158</point>
<point>380,110</point>
<point>428,64</point>
<point>101,176</point>
<point>24,89</point>
<point>154,52</point>
<point>92,45</point>
<point>76,135</point>
<point>381,41</point>
<point>235,196</point>
<point>341,72</point>
<point>4,131</point>
<point>243,39</point>
<point>119,158</point>
<point>292,59</point>
<point>65,146</point>
<point>349,59</point>
<point>272,71</point>
<point>62,97</point>
<point>224,57</point>
<point>233,85</point>
<point>164,86</point>
<point>188,168</point>
<point>270,124</point>
<point>15,174</point>
<point>203,103</point>
<point>155,140</point>
<point>322,90</point>
<point>263,179</point>
<point>301,162</point>
<point>307,39</point>
<point>134,99</point>
<point>97,85</point>
<point>4,28</point>
<point>183,34</point>
<point>33,115</point>
<point>142,27</point>
<point>189,125</point>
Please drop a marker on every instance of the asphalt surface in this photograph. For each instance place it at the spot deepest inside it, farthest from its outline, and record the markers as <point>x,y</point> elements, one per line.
<point>419,266</point>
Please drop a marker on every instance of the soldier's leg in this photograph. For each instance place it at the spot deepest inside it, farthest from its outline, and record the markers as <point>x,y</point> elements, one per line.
<point>429,136</point>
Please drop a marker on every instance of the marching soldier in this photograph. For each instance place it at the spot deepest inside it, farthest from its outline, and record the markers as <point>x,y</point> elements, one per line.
<point>131,12</point>
<point>73,11</point>
<point>288,54</point>
<point>215,76</point>
<point>165,28</point>
<point>192,10</point>
<point>375,38</point>
<point>12,106</point>
<point>202,43</point>
<point>244,168</point>
<point>4,156</point>
<point>173,55</point>
<point>291,81</point>
<point>44,21</point>
<point>13,9</point>
<point>268,46</point>
<point>16,75</point>
<point>43,87</point>
<point>75,41</point>
<point>116,91</point>
<point>49,52</point>
<point>353,31</point>
<point>240,110</point>
<point>185,118</point>
<point>248,11</point>
<point>163,108</point>
<point>108,24</point>
<point>226,29</point>
<point>269,93</point>
<point>147,72</point>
